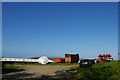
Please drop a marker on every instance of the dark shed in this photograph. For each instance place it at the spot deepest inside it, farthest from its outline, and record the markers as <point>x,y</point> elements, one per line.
<point>71,58</point>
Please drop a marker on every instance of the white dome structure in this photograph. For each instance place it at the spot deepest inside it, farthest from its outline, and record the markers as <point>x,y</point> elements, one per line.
<point>44,60</point>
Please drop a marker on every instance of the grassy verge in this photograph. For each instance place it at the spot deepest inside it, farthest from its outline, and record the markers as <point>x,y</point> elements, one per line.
<point>107,71</point>
<point>7,68</point>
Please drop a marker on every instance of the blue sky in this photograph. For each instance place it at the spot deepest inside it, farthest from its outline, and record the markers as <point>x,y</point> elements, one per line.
<point>53,29</point>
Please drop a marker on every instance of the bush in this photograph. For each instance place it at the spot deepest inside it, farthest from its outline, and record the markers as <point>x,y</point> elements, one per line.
<point>101,70</point>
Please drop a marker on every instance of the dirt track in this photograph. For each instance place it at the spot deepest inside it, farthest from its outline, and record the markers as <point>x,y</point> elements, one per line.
<point>36,72</point>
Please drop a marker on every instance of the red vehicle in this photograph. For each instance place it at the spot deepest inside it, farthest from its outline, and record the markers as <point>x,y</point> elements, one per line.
<point>60,60</point>
<point>104,58</point>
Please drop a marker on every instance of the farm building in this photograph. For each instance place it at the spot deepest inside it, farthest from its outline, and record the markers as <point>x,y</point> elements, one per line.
<point>71,58</point>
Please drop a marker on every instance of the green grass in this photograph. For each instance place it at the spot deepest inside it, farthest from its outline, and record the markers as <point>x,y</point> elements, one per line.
<point>7,68</point>
<point>107,71</point>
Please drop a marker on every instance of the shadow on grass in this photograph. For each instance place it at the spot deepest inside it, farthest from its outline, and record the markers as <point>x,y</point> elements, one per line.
<point>17,76</point>
<point>59,75</point>
<point>10,68</point>
<point>90,73</point>
<point>7,70</point>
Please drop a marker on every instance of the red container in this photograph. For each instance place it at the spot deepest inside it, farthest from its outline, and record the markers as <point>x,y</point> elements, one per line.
<point>57,60</point>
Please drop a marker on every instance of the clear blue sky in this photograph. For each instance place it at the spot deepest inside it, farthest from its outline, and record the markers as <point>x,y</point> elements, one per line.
<point>53,29</point>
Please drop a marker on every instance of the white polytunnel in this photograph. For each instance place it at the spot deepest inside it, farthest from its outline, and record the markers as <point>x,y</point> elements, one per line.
<point>42,60</point>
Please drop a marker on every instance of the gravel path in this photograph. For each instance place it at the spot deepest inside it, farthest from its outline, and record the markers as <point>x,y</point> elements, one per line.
<point>36,72</point>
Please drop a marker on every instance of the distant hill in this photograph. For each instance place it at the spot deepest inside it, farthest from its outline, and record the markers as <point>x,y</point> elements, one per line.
<point>35,58</point>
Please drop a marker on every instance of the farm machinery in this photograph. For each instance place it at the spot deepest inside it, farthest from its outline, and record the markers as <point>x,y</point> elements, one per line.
<point>105,58</point>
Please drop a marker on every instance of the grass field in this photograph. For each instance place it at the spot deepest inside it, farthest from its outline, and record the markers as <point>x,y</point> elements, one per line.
<point>106,71</point>
<point>9,68</point>
<point>99,71</point>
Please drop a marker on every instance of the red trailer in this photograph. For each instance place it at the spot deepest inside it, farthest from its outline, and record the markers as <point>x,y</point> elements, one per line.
<point>60,60</point>
<point>57,60</point>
